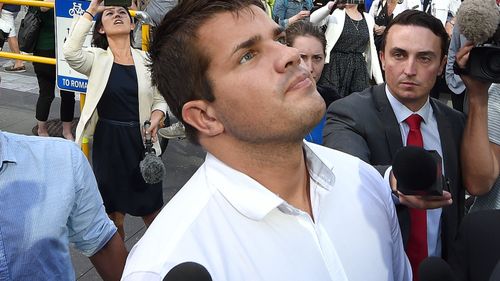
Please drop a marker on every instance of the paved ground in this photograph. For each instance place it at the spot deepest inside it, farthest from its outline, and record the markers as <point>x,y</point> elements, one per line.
<point>18,95</point>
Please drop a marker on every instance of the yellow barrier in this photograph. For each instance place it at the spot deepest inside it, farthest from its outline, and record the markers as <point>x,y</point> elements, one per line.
<point>29,3</point>
<point>15,56</point>
<point>145,37</point>
<point>24,57</point>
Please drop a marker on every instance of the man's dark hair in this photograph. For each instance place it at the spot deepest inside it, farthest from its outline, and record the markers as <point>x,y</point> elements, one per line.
<point>178,63</point>
<point>419,18</point>
<point>304,28</point>
<point>101,40</point>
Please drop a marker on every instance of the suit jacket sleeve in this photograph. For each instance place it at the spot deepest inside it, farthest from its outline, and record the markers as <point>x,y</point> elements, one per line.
<point>345,131</point>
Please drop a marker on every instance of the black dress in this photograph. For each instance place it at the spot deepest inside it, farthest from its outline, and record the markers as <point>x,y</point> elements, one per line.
<point>118,148</point>
<point>346,70</point>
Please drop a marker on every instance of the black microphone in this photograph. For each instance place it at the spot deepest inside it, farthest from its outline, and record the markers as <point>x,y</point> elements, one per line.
<point>188,271</point>
<point>418,171</point>
<point>495,276</point>
<point>152,168</point>
<point>435,269</point>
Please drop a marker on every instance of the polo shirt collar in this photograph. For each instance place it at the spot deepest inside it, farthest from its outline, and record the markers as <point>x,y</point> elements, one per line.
<point>252,199</point>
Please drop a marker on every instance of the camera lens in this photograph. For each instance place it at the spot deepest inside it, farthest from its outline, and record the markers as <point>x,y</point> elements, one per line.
<point>492,63</point>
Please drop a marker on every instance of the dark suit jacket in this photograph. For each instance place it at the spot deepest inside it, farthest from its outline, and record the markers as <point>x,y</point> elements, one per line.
<point>477,249</point>
<point>364,125</point>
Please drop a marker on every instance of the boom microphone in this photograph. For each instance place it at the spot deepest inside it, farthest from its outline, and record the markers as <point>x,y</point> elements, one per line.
<point>478,20</point>
<point>152,168</point>
<point>435,269</point>
<point>188,271</point>
<point>417,171</point>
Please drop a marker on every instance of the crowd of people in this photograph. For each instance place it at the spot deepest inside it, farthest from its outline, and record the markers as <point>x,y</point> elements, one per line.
<point>248,81</point>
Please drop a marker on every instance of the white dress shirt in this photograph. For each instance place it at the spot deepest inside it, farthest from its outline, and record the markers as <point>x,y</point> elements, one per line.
<point>240,230</point>
<point>430,135</point>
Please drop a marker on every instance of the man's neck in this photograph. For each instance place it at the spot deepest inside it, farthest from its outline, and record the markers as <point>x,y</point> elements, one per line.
<point>281,168</point>
<point>412,104</point>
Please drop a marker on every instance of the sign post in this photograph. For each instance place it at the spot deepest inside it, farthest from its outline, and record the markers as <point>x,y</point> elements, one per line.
<point>67,78</point>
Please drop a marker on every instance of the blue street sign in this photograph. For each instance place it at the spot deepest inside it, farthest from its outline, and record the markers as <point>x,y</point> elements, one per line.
<point>67,78</point>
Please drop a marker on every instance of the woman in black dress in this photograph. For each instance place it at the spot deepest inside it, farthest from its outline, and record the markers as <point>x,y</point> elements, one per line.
<point>120,98</point>
<point>351,57</point>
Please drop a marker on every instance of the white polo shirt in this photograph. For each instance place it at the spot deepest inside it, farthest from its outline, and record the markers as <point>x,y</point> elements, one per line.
<point>239,230</point>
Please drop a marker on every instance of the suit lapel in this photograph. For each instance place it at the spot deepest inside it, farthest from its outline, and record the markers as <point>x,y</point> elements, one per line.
<point>447,143</point>
<point>388,118</point>
<point>451,215</point>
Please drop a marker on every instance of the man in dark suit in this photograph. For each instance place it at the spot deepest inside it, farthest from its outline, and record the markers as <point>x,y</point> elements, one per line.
<point>375,123</point>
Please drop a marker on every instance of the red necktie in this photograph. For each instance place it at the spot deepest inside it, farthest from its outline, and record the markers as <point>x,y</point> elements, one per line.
<point>417,242</point>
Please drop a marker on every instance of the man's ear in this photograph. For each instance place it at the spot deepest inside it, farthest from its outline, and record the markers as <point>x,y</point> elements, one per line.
<point>201,116</point>
<point>381,56</point>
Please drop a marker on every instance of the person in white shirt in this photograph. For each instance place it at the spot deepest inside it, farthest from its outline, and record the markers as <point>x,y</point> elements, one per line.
<point>437,8</point>
<point>265,205</point>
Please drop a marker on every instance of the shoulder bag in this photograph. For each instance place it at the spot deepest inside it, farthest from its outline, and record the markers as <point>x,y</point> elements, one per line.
<point>29,30</point>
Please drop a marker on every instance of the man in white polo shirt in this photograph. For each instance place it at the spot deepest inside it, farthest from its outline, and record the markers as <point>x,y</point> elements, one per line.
<point>265,205</point>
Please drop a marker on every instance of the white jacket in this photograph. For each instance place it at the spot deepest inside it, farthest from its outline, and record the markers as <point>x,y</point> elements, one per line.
<point>96,63</point>
<point>438,8</point>
<point>335,25</point>
<point>374,11</point>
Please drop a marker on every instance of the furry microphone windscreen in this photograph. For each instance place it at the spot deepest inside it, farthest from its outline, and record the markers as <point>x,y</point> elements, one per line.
<point>152,168</point>
<point>478,19</point>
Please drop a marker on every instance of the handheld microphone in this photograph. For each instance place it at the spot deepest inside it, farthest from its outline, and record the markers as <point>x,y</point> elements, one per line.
<point>188,271</point>
<point>418,171</point>
<point>495,275</point>
<point>152,168</point>
<point>435,269</point>
<point>478,20</point>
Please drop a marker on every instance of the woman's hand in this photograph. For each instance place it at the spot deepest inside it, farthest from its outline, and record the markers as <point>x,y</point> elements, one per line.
<point>44,9</point>
<point>156,117</point>
<point>331,5</point>
<point>477,90</point>
<point>94,8</point>
<point>133,6</point>
<point>379,29</point>
<point>301,15</point>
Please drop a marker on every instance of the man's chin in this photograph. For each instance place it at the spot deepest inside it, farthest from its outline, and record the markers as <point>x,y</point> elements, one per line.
<point>315,115</point>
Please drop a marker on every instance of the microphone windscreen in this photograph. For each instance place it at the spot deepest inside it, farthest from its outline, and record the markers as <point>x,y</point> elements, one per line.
<point>495,276</point>
<point>414,168</point>
<point>478,19</point>
<point>188,271</point>
<point>152,168</point>
<point>435,269</point>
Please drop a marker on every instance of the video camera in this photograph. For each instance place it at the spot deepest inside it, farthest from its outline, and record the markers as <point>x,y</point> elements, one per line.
<point>484,60</point>
<point>479,22</point>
